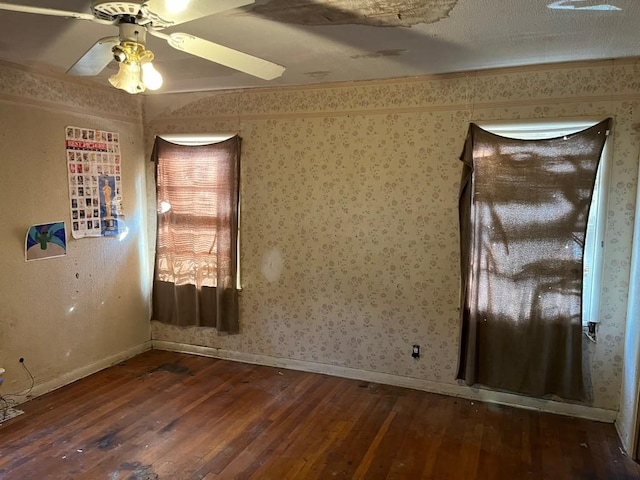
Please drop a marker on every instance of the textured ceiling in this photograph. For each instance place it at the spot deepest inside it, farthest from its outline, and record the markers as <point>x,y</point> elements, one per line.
<point>343,40</point>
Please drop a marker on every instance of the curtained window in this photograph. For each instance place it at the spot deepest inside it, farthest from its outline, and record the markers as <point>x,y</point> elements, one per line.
<point>524,206</point>
<point>196,266</point>
<point>594,241</point>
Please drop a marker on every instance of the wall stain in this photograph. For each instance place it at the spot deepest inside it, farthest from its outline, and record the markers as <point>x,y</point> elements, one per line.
<point>373,13</point>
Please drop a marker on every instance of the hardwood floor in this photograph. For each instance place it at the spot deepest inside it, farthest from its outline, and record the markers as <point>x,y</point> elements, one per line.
<point>163,415</point>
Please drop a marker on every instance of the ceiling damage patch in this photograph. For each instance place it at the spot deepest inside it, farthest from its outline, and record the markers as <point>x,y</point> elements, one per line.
<point>395,13</point>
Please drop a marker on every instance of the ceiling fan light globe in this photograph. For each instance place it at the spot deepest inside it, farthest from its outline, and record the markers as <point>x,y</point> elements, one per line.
<point>151,78</point>
<point>128,78</point>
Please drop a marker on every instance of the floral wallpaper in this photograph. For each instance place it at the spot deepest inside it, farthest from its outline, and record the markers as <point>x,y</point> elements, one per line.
<point>349,246</point>
<point>67,93</point>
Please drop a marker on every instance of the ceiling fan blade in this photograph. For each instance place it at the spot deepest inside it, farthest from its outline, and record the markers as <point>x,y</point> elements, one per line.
<point>175,12</point>
<point>223,55</point>
<point>46,11</point>
<point>96,58</point>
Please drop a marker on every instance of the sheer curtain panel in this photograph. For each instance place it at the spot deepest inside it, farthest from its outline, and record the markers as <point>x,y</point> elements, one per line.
<point>523,207</point>
<point>196,268</point>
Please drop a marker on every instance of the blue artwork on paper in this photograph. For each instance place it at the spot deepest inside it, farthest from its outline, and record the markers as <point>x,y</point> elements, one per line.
<point>46,240</point>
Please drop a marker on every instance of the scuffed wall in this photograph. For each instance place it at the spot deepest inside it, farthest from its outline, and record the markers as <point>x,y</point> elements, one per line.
<point>349,211</point>
<point>71,315</point>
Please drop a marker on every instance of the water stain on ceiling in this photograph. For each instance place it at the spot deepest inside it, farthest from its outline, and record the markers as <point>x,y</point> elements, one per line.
<point>318,74</point>
<point>396,13</point>
<point>381,53</point>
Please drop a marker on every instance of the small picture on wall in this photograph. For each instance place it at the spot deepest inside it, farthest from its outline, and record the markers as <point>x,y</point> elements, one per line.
<point>46,240</point>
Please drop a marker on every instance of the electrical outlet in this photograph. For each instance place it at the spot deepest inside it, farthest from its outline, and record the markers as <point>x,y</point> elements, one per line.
<point>415,353</point>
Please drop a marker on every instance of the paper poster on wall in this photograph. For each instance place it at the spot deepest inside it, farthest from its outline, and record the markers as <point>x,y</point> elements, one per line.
<point>95,193</point>
<point>46,240</point>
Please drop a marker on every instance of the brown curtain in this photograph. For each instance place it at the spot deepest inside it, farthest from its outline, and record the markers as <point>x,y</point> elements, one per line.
<point>197,238</point>
<point>523,213</point>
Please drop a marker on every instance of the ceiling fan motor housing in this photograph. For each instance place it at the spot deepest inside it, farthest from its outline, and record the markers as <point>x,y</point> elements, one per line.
<point>112,11</point>
<point>132,32</point>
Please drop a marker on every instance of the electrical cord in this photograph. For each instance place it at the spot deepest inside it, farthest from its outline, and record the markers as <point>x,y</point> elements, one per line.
<point>8,401</point>
<point>5,406</point>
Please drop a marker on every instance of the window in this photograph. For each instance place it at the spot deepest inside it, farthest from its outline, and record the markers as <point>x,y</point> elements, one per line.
<point>524,208</point>
<point>196,140</point>
<point>596,223</point>
<point>196,270</point>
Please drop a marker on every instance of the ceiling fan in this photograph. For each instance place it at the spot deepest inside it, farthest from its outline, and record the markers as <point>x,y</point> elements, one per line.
<point>134,20</point>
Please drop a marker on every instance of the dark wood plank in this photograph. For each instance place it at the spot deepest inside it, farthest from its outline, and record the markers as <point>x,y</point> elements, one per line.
<point>164,415</point>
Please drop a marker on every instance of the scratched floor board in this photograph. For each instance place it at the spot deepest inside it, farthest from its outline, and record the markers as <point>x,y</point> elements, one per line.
<point>164,415</point>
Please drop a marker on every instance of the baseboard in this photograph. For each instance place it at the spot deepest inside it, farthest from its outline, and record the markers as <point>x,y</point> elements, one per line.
<point>512,400</point>
<point>70,377</point>
<point>628,446</point>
